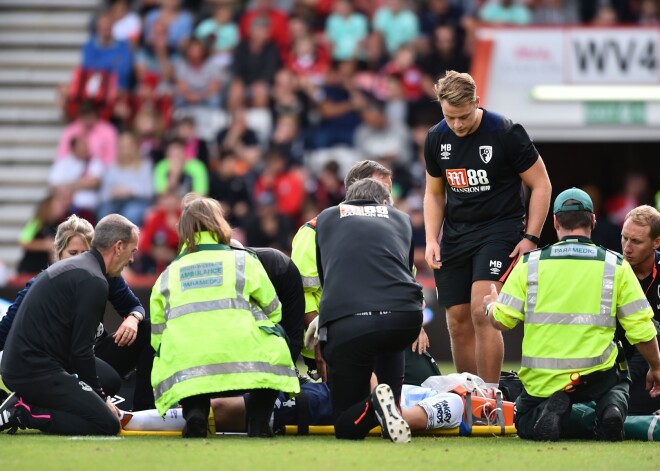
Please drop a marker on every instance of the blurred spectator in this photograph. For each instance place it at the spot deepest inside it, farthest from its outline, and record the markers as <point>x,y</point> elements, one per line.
<point>230,188</point>
<point>338,105</point>
<point>606,233</point>
<point>38,235</point>
<point>220,33</point>
<point>287,139</point>
<point>198,79</point>
<point>445,54</point>
<point>376,138</point>
<point>127,186</point>
<point>345,29</point>
<point>505,12</point>
<point>649,12</point>
<point>288,98</point>
<point>396,104</point>
<point>268,228</point>
<point>126,24</point>
<point>79,176</point>
<point>397,23</point>
<point>154,64</point>
<point>328,187</point>
<point>286,186</point>
<point>159,239</point>
<point>179,24</point>
<point>307,61</point>
<point>556,12</point>
<point>440,13</point>
<point>275,23</point>
<point>635,192</point>
<point>605,15</point>
<point>240,139</point>
<point>256,62</point>
<point>373,56</point>
<point>176,174</point>
<point>103,53</point>
<point>100,135</point>
<point>149,128</point>
<point>196,148</point>
<point>403,65</point>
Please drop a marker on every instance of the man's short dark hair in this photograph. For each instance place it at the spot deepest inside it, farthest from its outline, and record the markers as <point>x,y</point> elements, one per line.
<point>369,189</point>
<point>572,220</point>
<point>365,169</point>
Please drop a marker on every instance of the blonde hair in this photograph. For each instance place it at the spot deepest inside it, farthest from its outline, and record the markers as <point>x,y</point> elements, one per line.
<point>646,215</point>
<point>199,214</point>
<point>456,88</point>
<point>73,226</point>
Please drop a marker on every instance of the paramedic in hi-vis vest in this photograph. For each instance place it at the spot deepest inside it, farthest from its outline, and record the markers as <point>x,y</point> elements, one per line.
<point>570,295</point>
<point>213,326</point>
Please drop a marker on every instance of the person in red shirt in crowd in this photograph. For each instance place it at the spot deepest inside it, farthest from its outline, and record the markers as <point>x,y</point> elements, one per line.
<point>279,32</point>
<point>159,239</point>
<point>286,185</point>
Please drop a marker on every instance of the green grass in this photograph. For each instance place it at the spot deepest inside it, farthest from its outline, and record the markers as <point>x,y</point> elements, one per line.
<point>27,451</point>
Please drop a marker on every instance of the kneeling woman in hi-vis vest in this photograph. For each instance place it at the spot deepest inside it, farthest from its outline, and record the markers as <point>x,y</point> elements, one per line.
<point>213,326</point>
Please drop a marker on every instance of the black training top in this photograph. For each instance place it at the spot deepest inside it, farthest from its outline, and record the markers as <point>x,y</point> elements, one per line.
<point>56,324</point>
<point>287,282</point>
<point>364,254</point>
<point>481,170</point>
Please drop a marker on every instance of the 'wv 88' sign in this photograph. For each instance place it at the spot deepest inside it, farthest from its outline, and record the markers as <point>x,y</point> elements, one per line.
<point>612,56</point>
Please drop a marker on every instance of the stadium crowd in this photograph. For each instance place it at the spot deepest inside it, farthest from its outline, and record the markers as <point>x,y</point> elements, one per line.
<point>264,105</point>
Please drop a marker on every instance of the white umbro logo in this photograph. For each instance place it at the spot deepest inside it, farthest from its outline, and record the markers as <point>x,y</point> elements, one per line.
<point>5,416</point>
<point>445,155</point>
<point>445,150</point>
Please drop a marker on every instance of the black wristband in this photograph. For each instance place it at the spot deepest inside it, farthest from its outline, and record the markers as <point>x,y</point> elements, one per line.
<point>533,238</point>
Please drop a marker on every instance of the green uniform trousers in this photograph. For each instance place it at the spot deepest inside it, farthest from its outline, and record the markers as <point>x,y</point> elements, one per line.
<point>604,388</point>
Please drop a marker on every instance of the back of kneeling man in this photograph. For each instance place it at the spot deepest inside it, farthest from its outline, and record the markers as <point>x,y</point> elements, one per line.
<point>570,295</point>
<point>370,310</point>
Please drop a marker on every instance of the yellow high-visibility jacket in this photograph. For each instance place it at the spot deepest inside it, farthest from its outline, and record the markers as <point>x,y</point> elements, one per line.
<point>569,296</point>
<point>213,316</point>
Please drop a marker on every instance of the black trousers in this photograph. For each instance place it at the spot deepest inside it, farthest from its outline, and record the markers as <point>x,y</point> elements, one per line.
<point>61,404</point>
<point>606,388</point>
<point>138,356</point>
<point>640,403</point>
<point>356,347</point>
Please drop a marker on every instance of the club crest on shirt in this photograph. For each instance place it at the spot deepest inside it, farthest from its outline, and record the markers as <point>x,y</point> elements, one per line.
<point>486,153</point>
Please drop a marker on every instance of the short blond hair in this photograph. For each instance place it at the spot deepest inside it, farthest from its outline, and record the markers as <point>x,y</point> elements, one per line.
<point>456,88</point>
<point>73,226</point>
<point>200,214</point>
<point>646,215</point>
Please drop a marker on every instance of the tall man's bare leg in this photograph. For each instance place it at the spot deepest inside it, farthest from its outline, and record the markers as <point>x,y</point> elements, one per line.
<point>489,344</point>
<point>462,337</point>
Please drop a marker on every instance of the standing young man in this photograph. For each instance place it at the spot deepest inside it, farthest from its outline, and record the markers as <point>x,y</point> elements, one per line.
<point>476,161</point>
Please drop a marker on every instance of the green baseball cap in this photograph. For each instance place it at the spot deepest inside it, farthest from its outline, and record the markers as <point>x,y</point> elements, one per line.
<point>581,201</point>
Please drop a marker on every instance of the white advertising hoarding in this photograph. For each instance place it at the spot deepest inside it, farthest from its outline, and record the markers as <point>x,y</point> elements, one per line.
<point>531,73</point>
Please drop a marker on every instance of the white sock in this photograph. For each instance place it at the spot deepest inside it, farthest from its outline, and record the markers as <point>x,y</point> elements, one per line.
<point>444,410</point>
<point>150,420</point>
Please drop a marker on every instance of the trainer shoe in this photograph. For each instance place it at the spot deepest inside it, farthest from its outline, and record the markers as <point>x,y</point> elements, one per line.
<point>548,427</point>
<point>610,426</point>
<point>196,427</point>
<point>8,419</point>
<point>392,424</point>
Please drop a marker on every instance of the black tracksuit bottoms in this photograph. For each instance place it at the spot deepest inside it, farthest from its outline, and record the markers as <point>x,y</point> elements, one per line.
<point>356,347</point>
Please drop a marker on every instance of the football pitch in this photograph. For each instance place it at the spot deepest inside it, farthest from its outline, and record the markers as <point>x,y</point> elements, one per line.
<point>31,451</point>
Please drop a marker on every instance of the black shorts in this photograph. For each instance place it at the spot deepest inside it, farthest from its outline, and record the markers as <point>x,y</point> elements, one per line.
<point>488,261</point>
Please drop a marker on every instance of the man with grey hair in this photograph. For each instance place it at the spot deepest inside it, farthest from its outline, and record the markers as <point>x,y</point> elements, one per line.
<point>370,310</point>
<point>48,359</point>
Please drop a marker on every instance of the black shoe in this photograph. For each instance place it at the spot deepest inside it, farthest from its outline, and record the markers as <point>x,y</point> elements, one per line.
<point>8,410</point>
<point>548,427</point>
<point>392,424</point>
<point>610,426</point>
<point>260,429</point>
<point>196,427</point>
